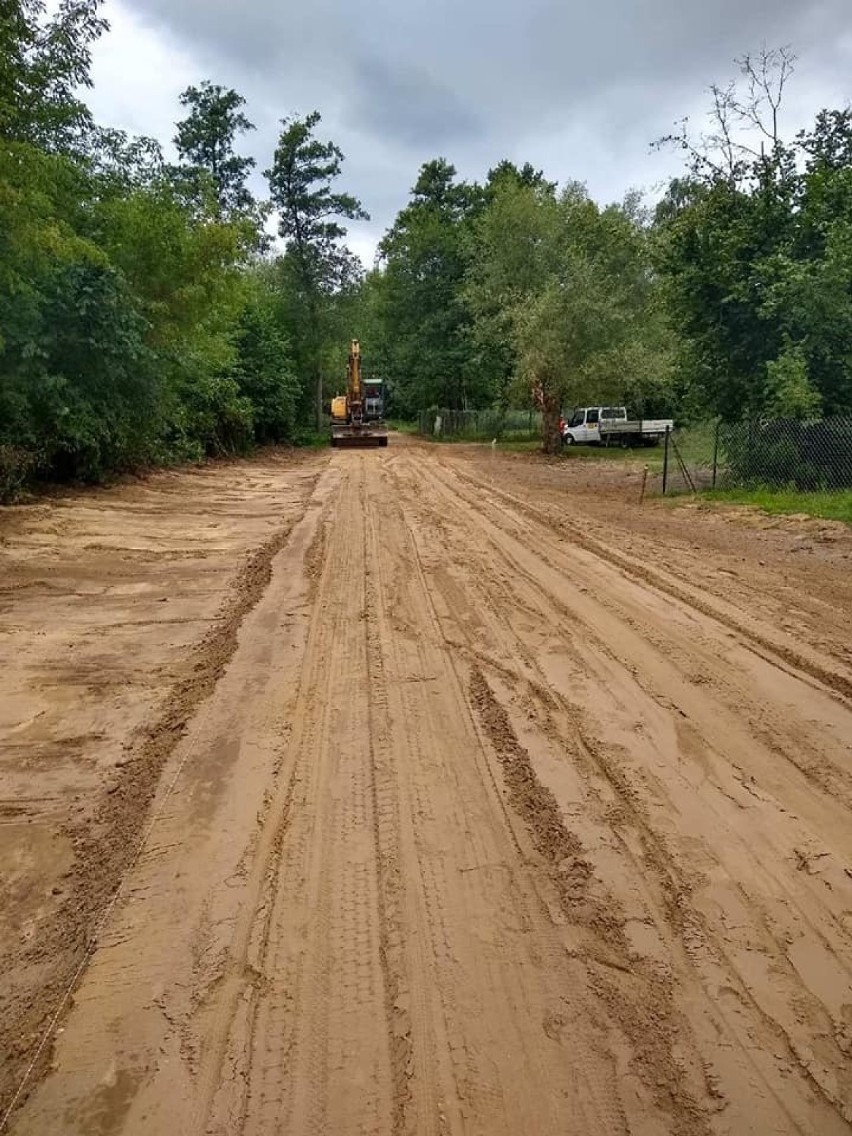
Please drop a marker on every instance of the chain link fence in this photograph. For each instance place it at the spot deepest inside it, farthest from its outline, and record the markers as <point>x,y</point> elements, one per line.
<point>756,453</point>
<point>480,425</point>
<point>759,453</point>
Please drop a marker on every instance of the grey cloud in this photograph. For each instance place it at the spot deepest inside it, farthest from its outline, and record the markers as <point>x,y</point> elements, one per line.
<point>405,104</point>
<point>400,81</point>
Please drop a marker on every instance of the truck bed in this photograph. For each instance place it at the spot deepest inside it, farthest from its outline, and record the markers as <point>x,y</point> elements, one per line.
<point>646,427</point>
<point>645,431</point>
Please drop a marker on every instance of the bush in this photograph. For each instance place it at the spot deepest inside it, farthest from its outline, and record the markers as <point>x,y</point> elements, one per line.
<point>17,467</point>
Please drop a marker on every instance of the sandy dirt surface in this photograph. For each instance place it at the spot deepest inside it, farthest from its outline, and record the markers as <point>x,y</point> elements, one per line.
<point>443,792</point>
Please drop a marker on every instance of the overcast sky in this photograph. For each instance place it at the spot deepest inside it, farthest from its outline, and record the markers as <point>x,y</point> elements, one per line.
<point>577,87</point>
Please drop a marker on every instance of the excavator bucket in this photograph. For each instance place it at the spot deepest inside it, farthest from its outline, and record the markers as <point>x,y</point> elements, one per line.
<point>354,437</point>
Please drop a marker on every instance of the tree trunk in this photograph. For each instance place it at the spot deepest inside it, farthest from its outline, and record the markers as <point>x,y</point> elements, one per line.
<point>551,439</point>
<point>313,309</point>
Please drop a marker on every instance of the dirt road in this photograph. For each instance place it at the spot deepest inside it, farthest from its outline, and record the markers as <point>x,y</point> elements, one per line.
<point>443,793</point>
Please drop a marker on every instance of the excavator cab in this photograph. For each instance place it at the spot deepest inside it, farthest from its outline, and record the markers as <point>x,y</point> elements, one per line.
<point>357,416</point>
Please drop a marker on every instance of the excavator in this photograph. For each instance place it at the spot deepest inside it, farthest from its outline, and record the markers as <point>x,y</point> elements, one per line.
<point>356,417</point>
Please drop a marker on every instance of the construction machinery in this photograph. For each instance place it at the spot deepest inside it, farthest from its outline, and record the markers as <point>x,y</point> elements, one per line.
<point>356,417</point>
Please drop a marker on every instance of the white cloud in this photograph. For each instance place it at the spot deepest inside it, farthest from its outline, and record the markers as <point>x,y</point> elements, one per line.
<point>139,71</point>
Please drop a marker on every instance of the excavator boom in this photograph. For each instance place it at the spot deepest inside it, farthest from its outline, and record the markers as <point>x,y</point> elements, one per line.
<point>356,417</point>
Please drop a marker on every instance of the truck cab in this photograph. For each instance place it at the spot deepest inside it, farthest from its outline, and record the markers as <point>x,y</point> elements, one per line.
<point>583,426</point>
<point>374,400</point>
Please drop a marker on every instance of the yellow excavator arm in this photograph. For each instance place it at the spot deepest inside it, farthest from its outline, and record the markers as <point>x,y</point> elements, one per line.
<point>353,375</point>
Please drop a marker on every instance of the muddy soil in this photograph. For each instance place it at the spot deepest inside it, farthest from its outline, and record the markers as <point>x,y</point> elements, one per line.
<point>423,790</point>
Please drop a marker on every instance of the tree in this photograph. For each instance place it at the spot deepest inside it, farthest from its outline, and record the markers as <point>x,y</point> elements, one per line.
<point>754,246</point>
<point>205,142</point>
<point>745,121</point>
<point>424,258</point>
<point>567,287</point>
<point>301,183</point>
<point>43,64</point>
<point>133,327</point>
<point>526,175</point>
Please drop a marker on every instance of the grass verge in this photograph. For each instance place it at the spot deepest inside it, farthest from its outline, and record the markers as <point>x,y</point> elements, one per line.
<point>648,455</point>
<point>832,504</point>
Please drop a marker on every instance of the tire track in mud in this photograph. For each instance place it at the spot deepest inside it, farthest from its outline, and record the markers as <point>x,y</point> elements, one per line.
<point>435,897</point>
<point>106,846</point>
<point>831,776</point>
<point>449,794</point>
<point>325,955</point>
<point>637,993</point>
<point>226,1097</point>
<point>387,827</point>
<point>647,1014</point>
<point>687,926</point>
<point>771,651</point>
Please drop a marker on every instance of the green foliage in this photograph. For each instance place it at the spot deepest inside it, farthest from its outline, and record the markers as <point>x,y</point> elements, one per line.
<point>792,394</point>
<point>420,325</point>
<point>300,179</point>
<point>262,369</point>
<point>318,273</point>
<point>755,248</point>
<point>496,422</point>
<point>143,317</point>
<point>564,288</point>
<point>489,296</point>
<point>75,372</point>
<point>43,64</point>
<point>205,143</point>
<point>788,453</point>
<point>136,323</point>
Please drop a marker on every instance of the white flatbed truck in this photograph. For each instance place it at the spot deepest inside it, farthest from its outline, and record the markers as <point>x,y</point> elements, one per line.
<point>610,426</point>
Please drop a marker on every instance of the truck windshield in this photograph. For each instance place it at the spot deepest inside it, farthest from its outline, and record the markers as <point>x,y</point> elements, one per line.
<point>577,418</point>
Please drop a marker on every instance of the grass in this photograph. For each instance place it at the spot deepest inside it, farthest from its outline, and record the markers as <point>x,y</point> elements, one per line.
<point>312,439</point>
<point>648,455</point>
<point>832,504</point>
<point>401,427</point>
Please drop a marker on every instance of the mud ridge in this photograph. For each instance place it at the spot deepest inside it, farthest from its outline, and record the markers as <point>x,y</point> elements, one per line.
<point>386,824</point>
<point>638,997</point>
<point>106,843</point>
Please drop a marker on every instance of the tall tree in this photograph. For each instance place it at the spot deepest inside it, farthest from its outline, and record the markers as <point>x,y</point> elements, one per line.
<point>526,175</point>
<point>128,332</point>
<point>310,210</point>
<point>205,142</point>
<point>566,286</point>
<point>424,257</point>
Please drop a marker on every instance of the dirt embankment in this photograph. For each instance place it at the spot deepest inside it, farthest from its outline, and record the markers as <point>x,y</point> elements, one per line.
<point>508,807</point>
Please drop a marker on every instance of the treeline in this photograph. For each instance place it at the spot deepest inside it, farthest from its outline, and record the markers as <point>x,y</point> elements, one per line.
<point>732,297</point>
<point>144,315</point>
<point>147,315</point>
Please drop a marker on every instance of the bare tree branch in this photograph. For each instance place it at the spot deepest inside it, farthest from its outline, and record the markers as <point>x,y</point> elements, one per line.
<point>726,151</point>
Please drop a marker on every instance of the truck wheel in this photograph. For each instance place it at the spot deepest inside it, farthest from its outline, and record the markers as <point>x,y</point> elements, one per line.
<point>567,440</point>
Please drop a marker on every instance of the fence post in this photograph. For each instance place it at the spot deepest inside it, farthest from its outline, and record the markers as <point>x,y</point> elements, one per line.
<point>666,461</point>
<point>644,483</point>
<point>716,450</point>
